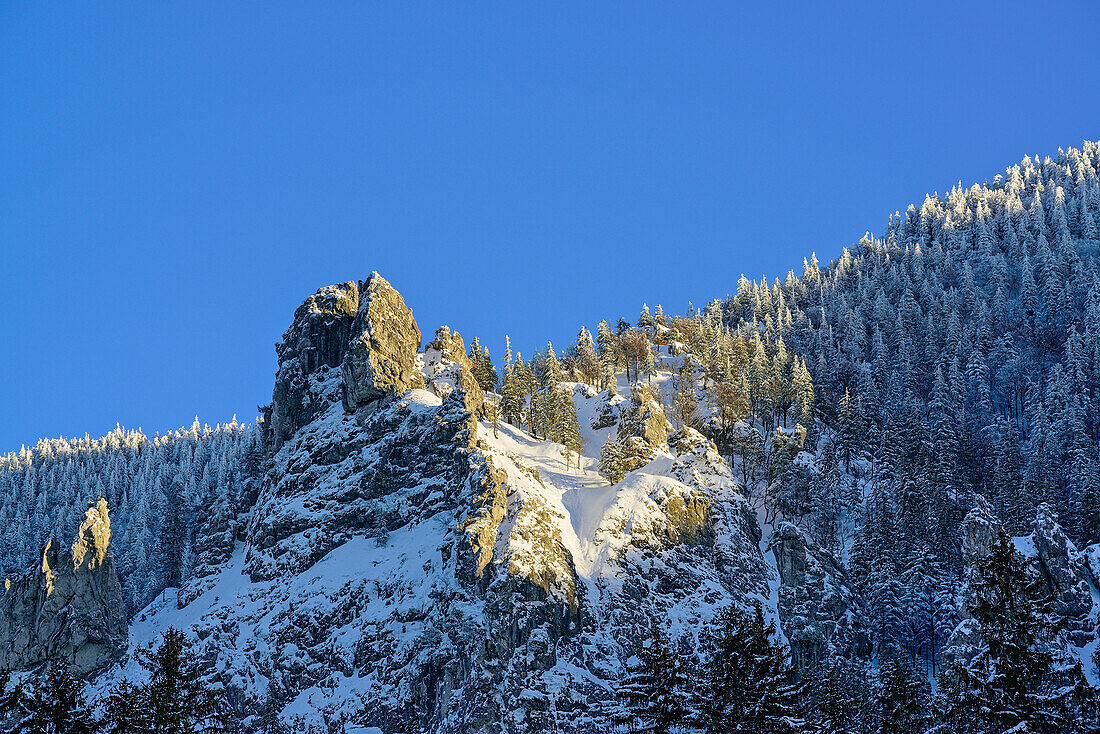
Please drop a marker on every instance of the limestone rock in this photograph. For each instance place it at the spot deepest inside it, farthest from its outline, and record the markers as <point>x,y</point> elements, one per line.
<point>1065,571</point>
<point>317,339</point>
<point>449,347</point>
<point>643,417</point>
<point>447,368</point>
<point>817,609</point>
<point>381,356</point>
<point>64,611</point>
<point>978,531</point>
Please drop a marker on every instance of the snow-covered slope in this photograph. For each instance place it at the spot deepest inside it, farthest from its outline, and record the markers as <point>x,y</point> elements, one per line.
<point>409,568</point>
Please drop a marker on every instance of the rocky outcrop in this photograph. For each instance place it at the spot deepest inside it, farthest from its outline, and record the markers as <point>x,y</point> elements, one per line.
<point>365,331</point>
<point>1066,574</point>
<point>69,609</point>
<point>643,428</point>
<point>317,338</point>
<point>1063,570</point>
<point>403,569</point>
<point>978,531</point>
<point>817,609</point>
<point>643,417</point>
<point>381,356</point>
<point>448,368</point>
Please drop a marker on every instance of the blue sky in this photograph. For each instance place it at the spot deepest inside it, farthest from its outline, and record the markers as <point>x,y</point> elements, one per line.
<point>176,178</point>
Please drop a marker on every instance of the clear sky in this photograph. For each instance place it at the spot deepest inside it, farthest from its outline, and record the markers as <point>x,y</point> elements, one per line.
<point>176,177</point>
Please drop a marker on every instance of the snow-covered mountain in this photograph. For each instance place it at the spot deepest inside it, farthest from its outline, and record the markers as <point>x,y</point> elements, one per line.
<point>409,567</point>
<point>410,541</point>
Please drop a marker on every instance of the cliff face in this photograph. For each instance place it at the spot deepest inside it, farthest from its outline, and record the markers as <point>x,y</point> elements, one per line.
<point>70,608</point>
<point>819,612</point>
<point>407,568</point>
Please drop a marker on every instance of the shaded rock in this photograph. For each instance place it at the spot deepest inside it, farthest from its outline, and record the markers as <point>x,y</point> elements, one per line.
<point>381,356</point>
<point>317,338</point>
<point>1065,571</point>
<point>817,609</point>
<point>64,611</point>
<point>341,476</point>
<point>977,531</point>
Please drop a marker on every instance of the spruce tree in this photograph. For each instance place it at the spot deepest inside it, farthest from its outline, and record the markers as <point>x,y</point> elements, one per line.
<point>125,710</point>
<point>654,690</point>
<point>612,465</point>
<point>750,684</point>
<point>902,698</point>
<point>179,700</point>
<point>59,705</point>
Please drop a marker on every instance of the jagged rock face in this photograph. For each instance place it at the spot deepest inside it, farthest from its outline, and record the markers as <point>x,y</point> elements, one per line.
<point>337,478</point>
<point>406,569</point>
<point>817,609</point>
<point>318,337</point>
<point>64,611</point>
<point>1066,573</point>
<point>381,356</point>
<point>447,368</point>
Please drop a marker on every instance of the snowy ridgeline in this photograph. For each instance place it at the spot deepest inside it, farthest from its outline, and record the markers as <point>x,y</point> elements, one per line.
<point>575,572</point>
<point>161,492</point>
<point>847,447</point>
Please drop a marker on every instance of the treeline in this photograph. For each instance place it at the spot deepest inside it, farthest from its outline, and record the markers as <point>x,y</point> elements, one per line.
<point>955,361</point>
<point>741,679</point>
<point>174,700</point>
<point>166,493</point>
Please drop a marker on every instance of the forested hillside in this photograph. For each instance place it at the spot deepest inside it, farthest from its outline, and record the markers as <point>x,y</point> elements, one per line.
<point>865,498</point>
<point>163,492</point>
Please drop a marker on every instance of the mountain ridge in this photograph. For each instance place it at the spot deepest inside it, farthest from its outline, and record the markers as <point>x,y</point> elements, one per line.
<point>417,551</point>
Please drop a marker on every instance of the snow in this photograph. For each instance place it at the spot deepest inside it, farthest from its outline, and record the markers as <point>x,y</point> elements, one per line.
<point>1025,546</point>
<point>612,534</point>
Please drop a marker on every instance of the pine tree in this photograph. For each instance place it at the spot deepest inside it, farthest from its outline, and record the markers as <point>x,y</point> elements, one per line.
<point>125,710</point>
<point>750,684</point>
<point>567,431</point>
<point>655,687</point>
<point>902,698</point>
<point>648,366</point>
<point>659,316</point>
<point>179,700</point>
<point>585,358</point>
<point>612,465</point>
<point>512,391</point>
<point>485,374</point>
<point>840,697</point>
<point>59,705</point>
<point>607,355</point>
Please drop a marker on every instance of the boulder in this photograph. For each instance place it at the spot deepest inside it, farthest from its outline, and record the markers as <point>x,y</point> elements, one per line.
<point>381,355</point>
